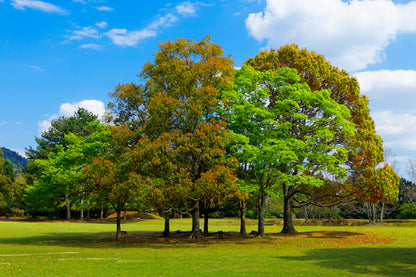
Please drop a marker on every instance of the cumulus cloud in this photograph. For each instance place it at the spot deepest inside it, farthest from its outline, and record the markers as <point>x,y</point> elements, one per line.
<point>389,123</point>
<point>389,89</point>
<point>38,5</point>
<point>398,131</point>
<point>351,34</point>
<point>68,109</point>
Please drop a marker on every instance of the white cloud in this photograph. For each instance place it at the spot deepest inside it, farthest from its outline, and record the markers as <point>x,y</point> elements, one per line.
<point>389,90</point>
<point>186,9</point>
<point>37,68</point>
<point>131,38</point>
<point>94,106</point>
<point>68,109</point>
<point>104,8</point>
<point>4,122</point>
<point>398,131</point>
<point>38,5</point>
<point>101,24</point>
<point>162,22</point>
<point>86,32</point>
<point>90,46</point>
<point>389,123</point>
<point>128,38</point>
<point>350,34</point>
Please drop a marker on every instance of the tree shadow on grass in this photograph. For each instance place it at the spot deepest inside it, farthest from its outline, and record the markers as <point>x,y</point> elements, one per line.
<point>155,240</point>
<point>370,261</point>
<point>130,240</point>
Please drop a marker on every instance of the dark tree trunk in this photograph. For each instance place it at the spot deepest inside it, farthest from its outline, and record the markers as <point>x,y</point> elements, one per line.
<point>305,209</point>
<point>206,224</point>
<point>243,208</point>
<point>68,207</point>
<point>196,234</point>
<point>118,234</point>
<point>102,213</point>
<point>371,212</point>
<point>261,208</point>
<point>288,227</point>
<point>166,231</point>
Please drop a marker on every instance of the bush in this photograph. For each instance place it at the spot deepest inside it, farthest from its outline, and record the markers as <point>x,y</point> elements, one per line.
<point>407,211</point>
<point>250,214</point>
<point>17,212</point>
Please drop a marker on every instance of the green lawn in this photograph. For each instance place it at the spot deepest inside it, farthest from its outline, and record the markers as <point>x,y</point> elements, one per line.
<point>89,249</point>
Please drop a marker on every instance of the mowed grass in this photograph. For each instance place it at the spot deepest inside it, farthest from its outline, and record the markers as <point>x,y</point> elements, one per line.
<point>89,249</point>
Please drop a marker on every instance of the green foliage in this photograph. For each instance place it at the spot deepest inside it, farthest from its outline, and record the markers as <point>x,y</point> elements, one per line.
<point>61,174</point>
<point>76,124</point>
<point>282,133</point>
<point>407,211</point>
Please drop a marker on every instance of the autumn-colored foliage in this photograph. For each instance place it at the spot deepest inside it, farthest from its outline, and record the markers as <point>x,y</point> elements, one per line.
<point>179,142</point>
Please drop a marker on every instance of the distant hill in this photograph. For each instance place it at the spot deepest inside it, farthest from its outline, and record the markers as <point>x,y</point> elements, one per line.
<point>14,157</point>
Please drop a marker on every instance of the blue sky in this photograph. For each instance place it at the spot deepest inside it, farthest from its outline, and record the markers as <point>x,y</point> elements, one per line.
<point>58,55</point>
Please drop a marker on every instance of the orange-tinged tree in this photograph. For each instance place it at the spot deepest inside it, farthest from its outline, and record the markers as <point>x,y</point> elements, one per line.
<point>379,185</point>
<point>176,104</point>
<point>110,178</point>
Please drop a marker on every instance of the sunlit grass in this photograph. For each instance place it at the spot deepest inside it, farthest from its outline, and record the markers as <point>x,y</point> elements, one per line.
<point>89,249</point>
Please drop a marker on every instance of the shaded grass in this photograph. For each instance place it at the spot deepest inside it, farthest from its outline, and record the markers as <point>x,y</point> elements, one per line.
<point>89,249</point>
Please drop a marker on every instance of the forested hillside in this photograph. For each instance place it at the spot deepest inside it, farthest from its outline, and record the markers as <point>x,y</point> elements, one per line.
<point>14,157</point>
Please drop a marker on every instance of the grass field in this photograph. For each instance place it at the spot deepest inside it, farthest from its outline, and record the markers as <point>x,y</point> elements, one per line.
<point>89,249</point>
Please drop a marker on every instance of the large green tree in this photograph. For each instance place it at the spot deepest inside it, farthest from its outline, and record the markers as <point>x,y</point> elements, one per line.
<point>283,135</point>
<point>365,148</point>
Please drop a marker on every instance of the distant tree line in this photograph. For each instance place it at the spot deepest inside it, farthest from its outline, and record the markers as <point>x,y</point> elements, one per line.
<point>197,136</point>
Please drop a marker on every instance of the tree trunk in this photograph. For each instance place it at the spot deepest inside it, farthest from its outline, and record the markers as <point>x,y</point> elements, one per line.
<point>261,208</point>
<point>196,234</point>
<point>125,214</point>
<point>243,208</point>
<point>118,234</point>
<point>288,227</point>
<point>81,216</point>
<point>370,212</point>
<point>206,223</point>
<point>102,213</point>
<point>166,231</point>
<point>305,213</point>
<point>68,207</point>
<point>382,212</point>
